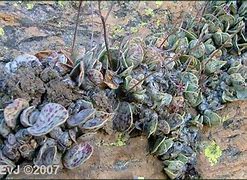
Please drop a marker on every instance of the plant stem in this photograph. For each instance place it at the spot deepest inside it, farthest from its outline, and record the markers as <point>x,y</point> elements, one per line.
<point>76,27</point>
<point>105,36</point>
<point>92,33</point>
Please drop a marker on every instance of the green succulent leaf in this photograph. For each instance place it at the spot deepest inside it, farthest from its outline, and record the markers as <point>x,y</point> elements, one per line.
<point>172,40</point>
<point>190,34</point>
<point>1,32</point>
<point>228,96</point>
<point>237,80</point>
<point>218,38</point>
<point>197,120</point>
<point>164,146</point>
<point>213,65</point>
<point>152,126</point>
<point>189,78</point>
<point>181,157</point>
<point>209,48</point>
<point>197,50</point>
<point>174,168</point>
<point>157,144</point>
<point>243,71</point>
<point>181,45</point>
<point>175,121</point>
<point>166,99</point>
<point>134,55</point>
<point>234,67</point>
<point>242,94</point>
<point>227,19</point>
<point>211,118</point>
<point>193,98</point>
<point>243,9</point>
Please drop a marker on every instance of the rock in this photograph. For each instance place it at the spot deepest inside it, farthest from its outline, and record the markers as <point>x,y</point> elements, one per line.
<point>231,137</point>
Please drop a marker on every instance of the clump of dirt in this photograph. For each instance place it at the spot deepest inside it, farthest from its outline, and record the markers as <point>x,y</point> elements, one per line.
<point>59,91</point>
<point>36,84</point>
<point>26,84</point>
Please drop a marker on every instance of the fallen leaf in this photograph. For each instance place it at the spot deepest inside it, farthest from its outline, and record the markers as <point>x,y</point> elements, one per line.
<point>109,80</point>
<point>43,54</point>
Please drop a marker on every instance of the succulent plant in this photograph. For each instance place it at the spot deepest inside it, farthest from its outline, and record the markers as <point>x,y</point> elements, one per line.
<point>22,60</point>
<point>81,117</point>
<point>5,161</point>
<point>47,154</point>
<point>96,123</point>
<point>25,116</point>
<point>4,129</point>
<point>77,155</point>
<point>51,115</point>
<point>123,118</point>
<point>13,110</point>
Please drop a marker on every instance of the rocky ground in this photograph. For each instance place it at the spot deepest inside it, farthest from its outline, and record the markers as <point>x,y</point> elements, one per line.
<point>32,27</point>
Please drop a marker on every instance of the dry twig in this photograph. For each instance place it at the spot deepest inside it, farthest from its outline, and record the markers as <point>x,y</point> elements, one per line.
<point>76,27</point>
<point>103,20</point>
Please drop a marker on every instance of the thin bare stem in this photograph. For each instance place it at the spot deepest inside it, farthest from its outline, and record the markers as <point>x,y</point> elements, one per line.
<point>106,17</point>
<point>203,11</point>
<point>76,27</point>
<point>108,13</point>
<point>105,35</point>
<point>174,30</point>
<point>201,15</point>
<point>92,33</point>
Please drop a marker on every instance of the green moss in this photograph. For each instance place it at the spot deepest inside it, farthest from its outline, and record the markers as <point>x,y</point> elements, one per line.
<point>1,32</point>
<point>120,141</point>
<point>149,12</point>
<point>143,24</point>
<point>158,3</point>
<point>134,29</point>
<point>158,22</point>
<point>30,5</point>
<point>117,31</point>
<point>225,118</point>
<point>62,3</point>
<point>213,153</point>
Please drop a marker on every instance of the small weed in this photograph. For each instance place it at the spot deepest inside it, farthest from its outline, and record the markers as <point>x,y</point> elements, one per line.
<point>120,141</point>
